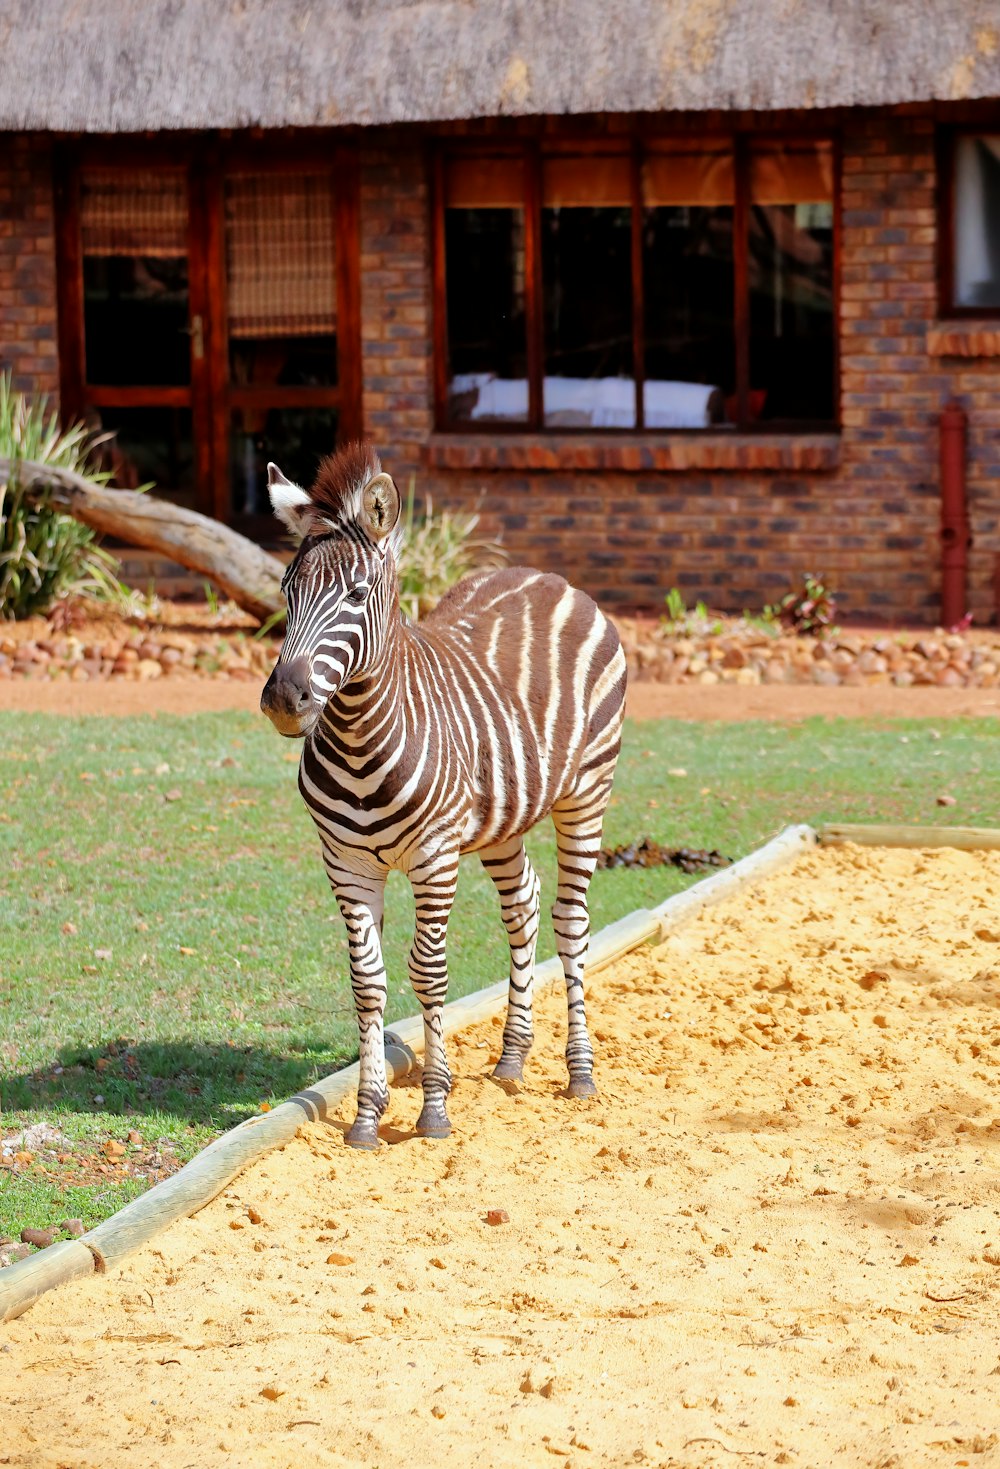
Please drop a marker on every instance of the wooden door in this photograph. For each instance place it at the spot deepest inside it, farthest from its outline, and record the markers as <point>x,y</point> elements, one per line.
<point>209,316</point>
<point>284,333</point>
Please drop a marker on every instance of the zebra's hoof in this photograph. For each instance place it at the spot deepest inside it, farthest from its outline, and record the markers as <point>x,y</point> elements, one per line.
<point>509,1068</point>
<point>364,1135</point>
<point>581,1086</point>
<point>433,1122</point>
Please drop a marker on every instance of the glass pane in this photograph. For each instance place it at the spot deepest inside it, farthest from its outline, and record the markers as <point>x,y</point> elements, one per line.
<point>976,222</point>
<point>484,255</point>
<point>135,277</point>
<point>149,445</point>
<point>687,240</point>
<point>281,285</point>
<point>791,282</point>
<point>587,292</point>
<point>295,438</point>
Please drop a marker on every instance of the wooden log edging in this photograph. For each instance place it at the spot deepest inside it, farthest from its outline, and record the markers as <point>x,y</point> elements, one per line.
<point>964,838</point>
<point>198,1182</point>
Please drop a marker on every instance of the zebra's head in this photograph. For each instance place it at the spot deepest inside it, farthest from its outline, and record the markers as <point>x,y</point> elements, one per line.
<point>341,586</point>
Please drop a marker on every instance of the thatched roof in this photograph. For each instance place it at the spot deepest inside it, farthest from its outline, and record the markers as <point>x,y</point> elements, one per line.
<point>129,65</point>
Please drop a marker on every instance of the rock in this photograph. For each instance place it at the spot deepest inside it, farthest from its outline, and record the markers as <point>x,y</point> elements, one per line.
<point>827,677</point>
<point>147,668</point>
<point>40,1238</point>
<point>497,1216</point>
<point>74,1227</point>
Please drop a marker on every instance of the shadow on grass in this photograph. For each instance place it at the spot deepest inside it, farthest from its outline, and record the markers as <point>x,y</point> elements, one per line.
<point>200,1084</point>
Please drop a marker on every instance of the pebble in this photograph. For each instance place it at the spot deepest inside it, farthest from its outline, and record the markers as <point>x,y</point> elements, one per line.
<point>733,652</point>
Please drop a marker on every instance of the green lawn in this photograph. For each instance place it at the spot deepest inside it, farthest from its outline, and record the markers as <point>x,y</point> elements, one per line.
<point>170,955</point>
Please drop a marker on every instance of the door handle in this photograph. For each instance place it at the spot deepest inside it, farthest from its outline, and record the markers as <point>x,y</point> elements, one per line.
<point>197,335</point>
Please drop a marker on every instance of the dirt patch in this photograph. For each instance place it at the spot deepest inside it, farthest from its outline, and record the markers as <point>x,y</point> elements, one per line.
<point>776,1236</point>
<point>781,703</point>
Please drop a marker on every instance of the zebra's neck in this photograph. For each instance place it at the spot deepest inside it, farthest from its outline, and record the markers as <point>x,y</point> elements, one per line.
<point>369,713</point>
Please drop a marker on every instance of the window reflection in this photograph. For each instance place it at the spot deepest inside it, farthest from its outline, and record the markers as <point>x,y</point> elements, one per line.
<point>587,292</point>
<point>690,368</point>
<point>141,446</point>
<point>791,282</point>
<point>281,296</point>
<point>485,251</point>
<point>296,439</point>
<point>976,222</point>
<point>135,277</point>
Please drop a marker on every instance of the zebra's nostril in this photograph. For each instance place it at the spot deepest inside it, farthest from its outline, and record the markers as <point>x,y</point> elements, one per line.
<point>304,700</point>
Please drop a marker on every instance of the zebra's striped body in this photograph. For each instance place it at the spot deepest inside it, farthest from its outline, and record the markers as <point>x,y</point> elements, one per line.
<point>426,742</point>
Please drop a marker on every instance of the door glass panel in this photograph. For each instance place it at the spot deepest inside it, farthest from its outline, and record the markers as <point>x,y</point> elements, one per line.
<point>587,289</point>
<point>687,240</point>
<point>791,282</point>
<point>296,439</point>
<point>134,227</point>
<point>148,445</point>
<point>281,289</point>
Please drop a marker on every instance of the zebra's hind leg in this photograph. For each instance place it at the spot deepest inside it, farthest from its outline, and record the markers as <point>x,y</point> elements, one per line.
<point>515,880</point>
<point>578,840</point>
<point>434,882</point>
<point>361,903</point>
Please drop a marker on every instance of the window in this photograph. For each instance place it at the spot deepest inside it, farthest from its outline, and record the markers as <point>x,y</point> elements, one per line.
<point>664,284</point>
<point>971,233</point>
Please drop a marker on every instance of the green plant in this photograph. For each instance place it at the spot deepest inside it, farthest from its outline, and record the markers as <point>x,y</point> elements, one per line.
<point>695,622</point>
<point>808,608</point>
<point>438,548</point>
<point>45,556</point>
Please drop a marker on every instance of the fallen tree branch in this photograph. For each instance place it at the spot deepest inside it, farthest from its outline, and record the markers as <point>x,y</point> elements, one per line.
<point>238,567</point>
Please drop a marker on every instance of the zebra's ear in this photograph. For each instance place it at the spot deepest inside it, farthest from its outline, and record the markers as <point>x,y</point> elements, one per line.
<point>290,503</point>
<point>380,506</point>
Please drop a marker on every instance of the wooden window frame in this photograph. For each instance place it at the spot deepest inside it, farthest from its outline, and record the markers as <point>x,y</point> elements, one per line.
<point>210,396</point>
<point>532,151</point>
<point>946,143</point>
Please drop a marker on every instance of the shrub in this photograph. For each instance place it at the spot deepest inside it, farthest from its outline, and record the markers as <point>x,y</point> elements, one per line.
<point>809,608</point>
<point>45,556</point>
<point>439,548</point>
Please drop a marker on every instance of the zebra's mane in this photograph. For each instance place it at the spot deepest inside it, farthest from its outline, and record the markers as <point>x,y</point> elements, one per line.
<point>341,478</point>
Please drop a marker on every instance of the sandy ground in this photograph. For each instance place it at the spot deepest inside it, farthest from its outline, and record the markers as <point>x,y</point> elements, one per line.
<point>775,1238</point>
<point>785,703</point>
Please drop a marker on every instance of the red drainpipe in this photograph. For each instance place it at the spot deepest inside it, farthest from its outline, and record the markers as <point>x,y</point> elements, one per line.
<point>955,534</point>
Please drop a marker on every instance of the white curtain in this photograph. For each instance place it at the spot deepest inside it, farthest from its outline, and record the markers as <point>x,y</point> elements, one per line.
<point>977,221</point>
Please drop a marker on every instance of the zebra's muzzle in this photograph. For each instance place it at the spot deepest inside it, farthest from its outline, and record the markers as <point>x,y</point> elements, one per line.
<point>288,699</point>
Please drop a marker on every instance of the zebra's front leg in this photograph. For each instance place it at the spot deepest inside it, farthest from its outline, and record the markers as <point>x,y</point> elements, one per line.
<point>434,882</point>
<point>517,885</point>
<point>361,902</point>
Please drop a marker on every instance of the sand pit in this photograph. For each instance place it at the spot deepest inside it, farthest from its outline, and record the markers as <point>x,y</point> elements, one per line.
<point>776,1239</point>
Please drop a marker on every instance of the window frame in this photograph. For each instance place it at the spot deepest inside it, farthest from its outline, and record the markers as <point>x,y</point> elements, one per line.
<point>210,396</point>
<point>532,150</point>
<point>946,149</point>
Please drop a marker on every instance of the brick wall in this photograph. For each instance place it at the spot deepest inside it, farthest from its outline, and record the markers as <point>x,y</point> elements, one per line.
<point>732,523</point>
<point>397,389</point>
<point>28,339</point>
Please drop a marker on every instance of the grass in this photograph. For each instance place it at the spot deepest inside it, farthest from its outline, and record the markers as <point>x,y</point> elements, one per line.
<point>171,958</point>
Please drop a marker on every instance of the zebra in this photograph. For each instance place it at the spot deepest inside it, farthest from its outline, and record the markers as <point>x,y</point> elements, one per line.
<point>425,741</point>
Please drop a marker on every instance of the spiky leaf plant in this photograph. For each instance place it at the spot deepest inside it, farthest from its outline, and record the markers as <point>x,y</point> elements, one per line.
<point>45,556</point>
<point>439,547</point>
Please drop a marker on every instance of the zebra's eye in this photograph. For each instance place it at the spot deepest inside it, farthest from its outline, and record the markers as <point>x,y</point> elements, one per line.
<point>356,595</point>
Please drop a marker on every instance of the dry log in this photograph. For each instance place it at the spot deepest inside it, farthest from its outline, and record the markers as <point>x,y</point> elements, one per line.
<point>238,567</point>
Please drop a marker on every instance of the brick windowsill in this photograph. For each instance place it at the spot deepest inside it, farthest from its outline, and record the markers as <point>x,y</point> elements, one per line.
<point>628,454</point>
<point>964,339</point>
